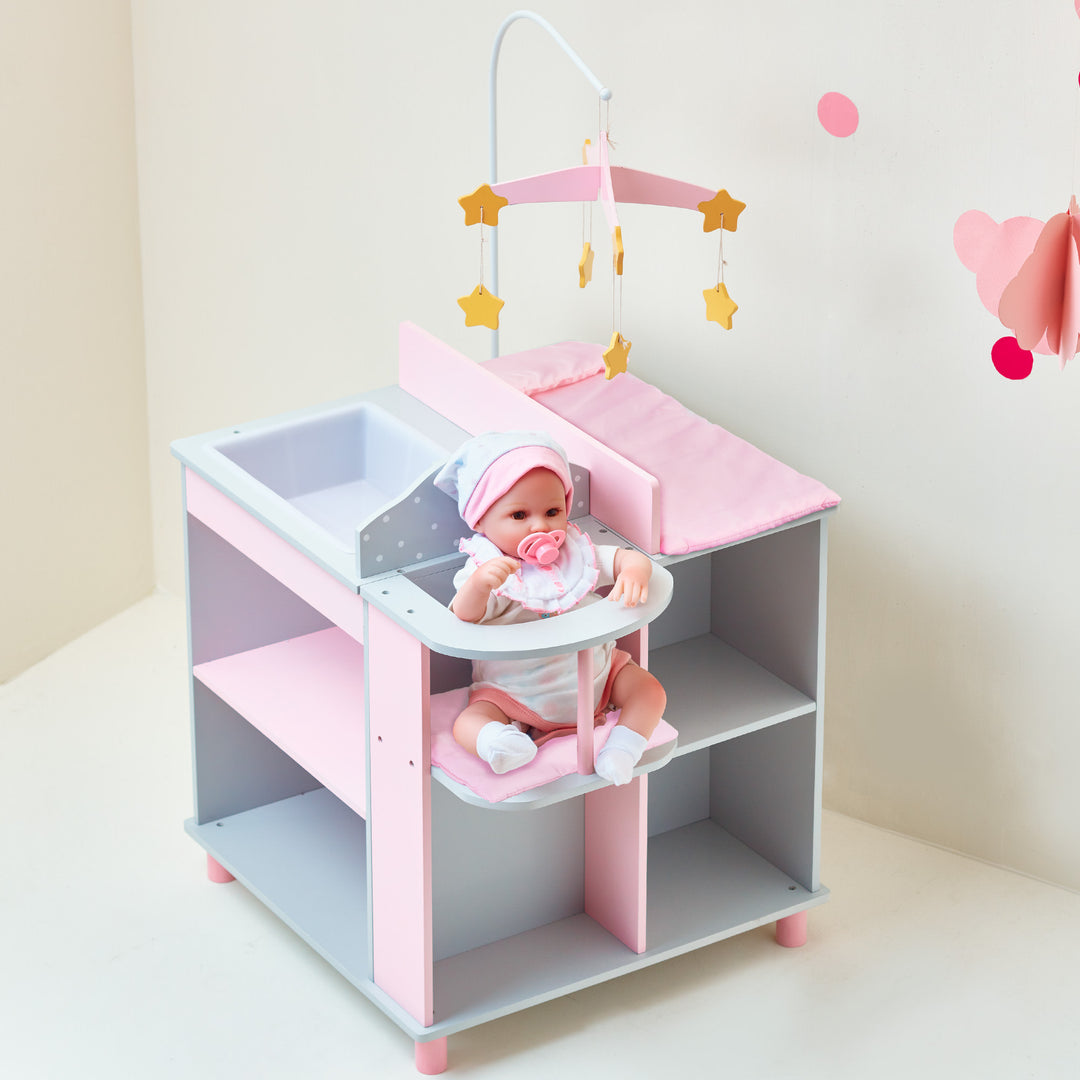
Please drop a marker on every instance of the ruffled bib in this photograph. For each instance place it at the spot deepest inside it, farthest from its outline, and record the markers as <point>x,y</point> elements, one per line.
<point>551,589</point>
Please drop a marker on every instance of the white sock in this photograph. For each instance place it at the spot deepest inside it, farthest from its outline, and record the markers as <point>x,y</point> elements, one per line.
<point>620,754</point>
<point>504,747</point>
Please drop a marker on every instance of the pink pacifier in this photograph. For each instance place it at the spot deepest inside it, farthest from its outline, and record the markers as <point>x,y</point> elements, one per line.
<point>542,548</point>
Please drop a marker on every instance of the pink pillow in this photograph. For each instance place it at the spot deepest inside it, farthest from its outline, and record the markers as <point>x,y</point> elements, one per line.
<point>549,366</point>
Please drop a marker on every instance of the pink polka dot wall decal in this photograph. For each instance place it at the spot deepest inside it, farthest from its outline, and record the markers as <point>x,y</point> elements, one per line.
<point>1009,359</point>
<point>838,114</point>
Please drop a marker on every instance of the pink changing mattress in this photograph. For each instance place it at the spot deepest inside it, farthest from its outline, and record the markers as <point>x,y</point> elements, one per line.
<point>715,488</point>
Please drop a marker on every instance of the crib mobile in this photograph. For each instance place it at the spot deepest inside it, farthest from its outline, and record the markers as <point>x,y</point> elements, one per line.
<point>596,178</point>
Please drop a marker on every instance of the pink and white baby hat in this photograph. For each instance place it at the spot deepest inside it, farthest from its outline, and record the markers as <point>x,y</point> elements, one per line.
<point>487,466</point>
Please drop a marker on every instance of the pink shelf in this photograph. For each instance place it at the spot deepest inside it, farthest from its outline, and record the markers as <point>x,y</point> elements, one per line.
<point>306,695</point>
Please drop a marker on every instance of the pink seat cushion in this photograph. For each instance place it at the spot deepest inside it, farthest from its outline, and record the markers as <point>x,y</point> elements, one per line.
<point>554,759</point>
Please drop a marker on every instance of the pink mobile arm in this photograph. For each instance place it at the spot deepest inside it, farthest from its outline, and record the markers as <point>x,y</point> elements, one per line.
<point>614,184</point>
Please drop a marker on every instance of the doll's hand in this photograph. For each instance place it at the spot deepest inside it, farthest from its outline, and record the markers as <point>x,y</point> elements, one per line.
<point>630,589</point>
<point>633,571</point>
<point>495,571</point>
<point>471,601</point>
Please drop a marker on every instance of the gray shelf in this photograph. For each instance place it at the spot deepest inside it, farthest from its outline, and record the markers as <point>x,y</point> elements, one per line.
<point>716,693</point>
<point>704,886</point>
<point>305,858</point>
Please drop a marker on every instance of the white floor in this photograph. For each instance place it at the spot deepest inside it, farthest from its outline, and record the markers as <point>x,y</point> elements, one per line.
<point>118,959</point>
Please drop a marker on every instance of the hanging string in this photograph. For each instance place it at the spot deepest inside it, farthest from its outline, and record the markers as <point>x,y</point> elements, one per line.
<point>616,324</point>
<point>586,239</point>
<point>720,263</point>
<point>483,241</point>
<point>613,326</point>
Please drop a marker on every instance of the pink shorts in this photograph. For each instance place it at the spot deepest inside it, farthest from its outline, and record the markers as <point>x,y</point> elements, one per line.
<point>542,730</point>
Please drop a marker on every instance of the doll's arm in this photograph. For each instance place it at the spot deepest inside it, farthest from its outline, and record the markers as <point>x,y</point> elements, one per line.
<point>471,600</point>
<point>632,573</point>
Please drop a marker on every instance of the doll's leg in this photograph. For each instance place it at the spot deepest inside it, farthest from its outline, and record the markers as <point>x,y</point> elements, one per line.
<point>640,697</point>
<point>484,730</point>
<point>472,720</point>
<point>642,700</point>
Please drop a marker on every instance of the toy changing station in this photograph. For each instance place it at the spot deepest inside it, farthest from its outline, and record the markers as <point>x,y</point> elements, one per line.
<point>327,670</point>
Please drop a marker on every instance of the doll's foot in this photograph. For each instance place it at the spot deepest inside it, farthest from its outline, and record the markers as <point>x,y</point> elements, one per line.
<point>620,754</point>
<point>504,747</point>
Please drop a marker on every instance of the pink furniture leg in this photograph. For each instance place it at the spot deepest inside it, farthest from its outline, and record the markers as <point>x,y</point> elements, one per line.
<point>217,873</point>
<point>431,1057</point>
<point>791,932</point>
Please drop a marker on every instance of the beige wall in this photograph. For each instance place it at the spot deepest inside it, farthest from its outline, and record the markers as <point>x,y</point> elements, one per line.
<point>74,512</point>
<point>299,167</point>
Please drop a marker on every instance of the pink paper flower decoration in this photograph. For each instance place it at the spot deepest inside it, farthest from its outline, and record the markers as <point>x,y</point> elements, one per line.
<point>994,251</point>
<point>1044,297</point>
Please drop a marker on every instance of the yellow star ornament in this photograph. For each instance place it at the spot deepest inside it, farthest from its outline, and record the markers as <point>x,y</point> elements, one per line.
<point>723,210</point>
<point>719,307</point>
<point>482,201</point>
<point>585,266</point>
<point>615,356</point>
<point>481,308</point>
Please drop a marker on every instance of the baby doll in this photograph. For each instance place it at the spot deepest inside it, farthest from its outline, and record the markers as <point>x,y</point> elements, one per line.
<point>527,561</point>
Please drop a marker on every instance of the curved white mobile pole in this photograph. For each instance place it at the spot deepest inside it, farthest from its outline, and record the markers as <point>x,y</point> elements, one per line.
<point>601,89</point>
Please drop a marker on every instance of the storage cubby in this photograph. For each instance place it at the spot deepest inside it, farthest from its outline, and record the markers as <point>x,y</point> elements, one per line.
<point>739,651</point>
<point>733,834</point>
<point>497,875</point>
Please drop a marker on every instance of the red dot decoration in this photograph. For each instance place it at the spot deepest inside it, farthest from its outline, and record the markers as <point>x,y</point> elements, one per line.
<point>1010,360</point>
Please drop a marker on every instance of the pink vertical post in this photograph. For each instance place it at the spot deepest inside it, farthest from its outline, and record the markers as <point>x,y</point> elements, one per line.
<point>399,824</point>
<point>791,931</point>
<point>585,711</point>
<point>617,843</point>
<point>616,858</point>
<point>637,645</point>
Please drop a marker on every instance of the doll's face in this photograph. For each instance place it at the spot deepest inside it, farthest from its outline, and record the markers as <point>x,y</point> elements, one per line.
<point>536,503</point>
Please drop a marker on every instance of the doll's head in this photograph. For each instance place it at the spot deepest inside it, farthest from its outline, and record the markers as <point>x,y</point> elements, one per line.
<point>515,488</point>
<point>529,521</point>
